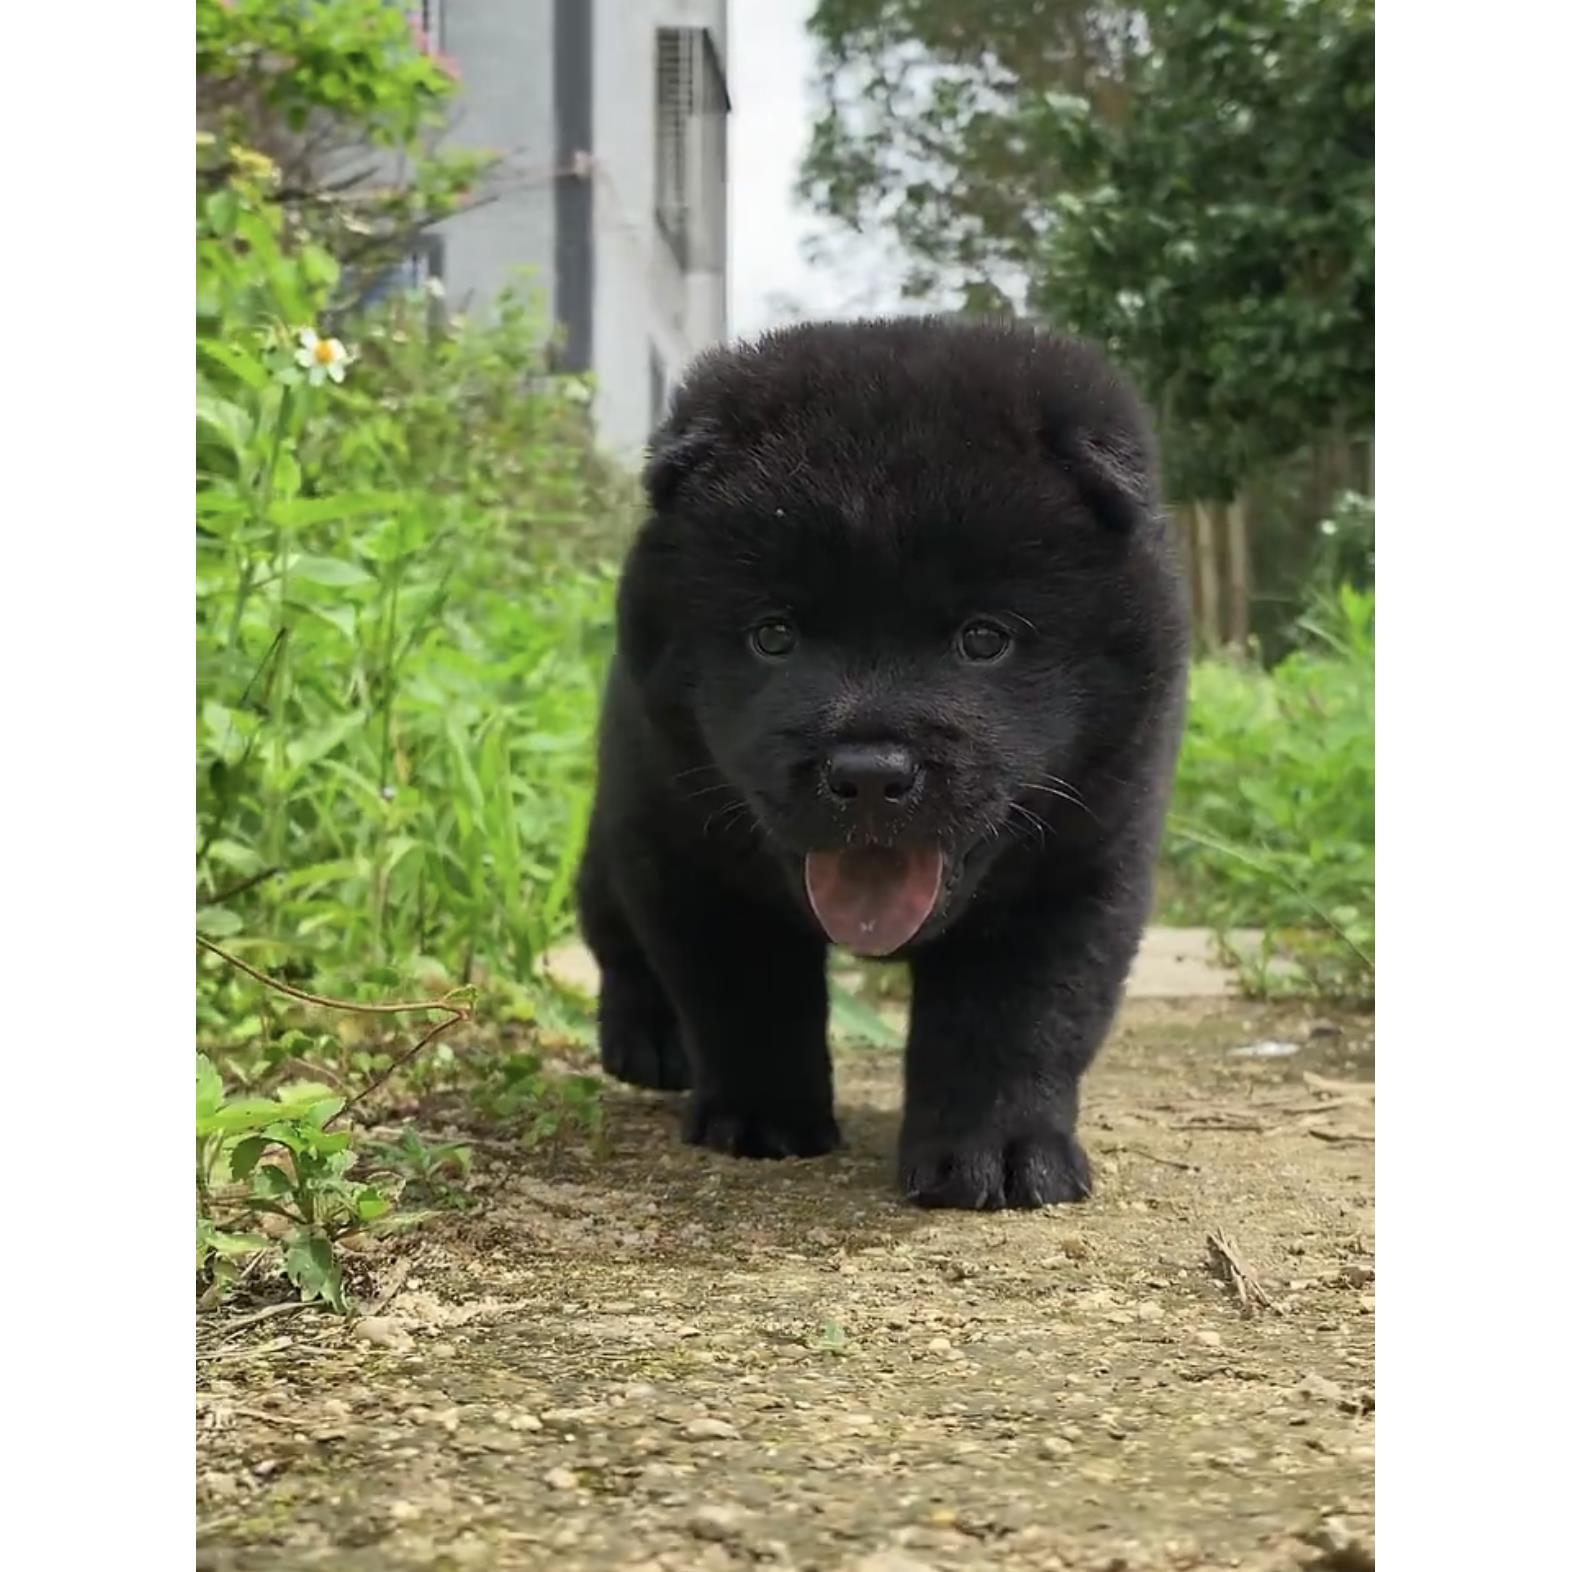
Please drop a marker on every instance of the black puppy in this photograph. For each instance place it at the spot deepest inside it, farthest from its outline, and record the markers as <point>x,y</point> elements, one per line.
<point>901,663</point>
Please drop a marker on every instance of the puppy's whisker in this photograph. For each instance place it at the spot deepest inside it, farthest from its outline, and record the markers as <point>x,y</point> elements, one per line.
<point>739,813</point>
<point>707,791</point>
<point>1063,790</point>
<point>697,769</point>
<point>1032,819</point>
<point>726,815</point>
<point>1056,783</point>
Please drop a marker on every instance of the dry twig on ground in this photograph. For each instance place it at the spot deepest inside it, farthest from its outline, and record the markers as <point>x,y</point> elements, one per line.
<point>1231,1268</point>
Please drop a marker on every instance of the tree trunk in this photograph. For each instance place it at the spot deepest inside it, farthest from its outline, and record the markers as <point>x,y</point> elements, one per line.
<point>1238,574</point>
<point>1207,597</point>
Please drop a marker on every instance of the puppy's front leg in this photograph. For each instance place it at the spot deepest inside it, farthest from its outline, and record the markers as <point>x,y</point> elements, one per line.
<point>1003,1026</point>
<point>750,994</point>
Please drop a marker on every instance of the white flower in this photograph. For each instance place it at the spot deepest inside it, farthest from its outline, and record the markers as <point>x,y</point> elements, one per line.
<point>436,289</point>
<point>1328,527</point>
<point>321,357</point>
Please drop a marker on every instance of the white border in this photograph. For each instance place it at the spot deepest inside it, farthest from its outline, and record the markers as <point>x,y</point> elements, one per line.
<point>95,638</point>
<point>96,681</point>
<point>1475,572</point>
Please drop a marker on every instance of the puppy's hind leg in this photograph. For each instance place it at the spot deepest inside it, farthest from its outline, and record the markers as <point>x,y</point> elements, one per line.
<point>640,1042</point>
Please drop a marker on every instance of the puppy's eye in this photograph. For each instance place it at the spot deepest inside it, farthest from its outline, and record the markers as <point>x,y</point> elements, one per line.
<point>982,641</point>
<point>774,639</point>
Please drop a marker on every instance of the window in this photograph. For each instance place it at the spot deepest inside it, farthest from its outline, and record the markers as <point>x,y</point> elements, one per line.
<point>690,147</point>
<point>413,271</point>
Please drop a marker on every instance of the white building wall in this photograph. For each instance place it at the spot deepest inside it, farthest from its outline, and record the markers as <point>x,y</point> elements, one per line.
<point>643,299</point>
<point>642,302</point>
<point>503,49</point>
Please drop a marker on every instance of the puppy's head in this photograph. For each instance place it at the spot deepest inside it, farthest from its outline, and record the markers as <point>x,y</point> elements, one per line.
<point>902,585</point>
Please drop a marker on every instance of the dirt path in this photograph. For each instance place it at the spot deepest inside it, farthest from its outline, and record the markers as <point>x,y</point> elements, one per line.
<point>668,1360</point>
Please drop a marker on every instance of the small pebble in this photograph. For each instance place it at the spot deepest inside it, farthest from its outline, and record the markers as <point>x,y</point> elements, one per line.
<point>565,1418</point>
<point>1318,1386</point>
<point>383,1332</point>
<point>709,1430</point>
<point>1055,1448</point>
<point>562,1479</point>
<point>716,1522</point>
<point>891,1561</point>
<point>1209,1339</point>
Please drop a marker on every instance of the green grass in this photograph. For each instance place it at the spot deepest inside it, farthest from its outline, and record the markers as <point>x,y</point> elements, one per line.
<point>1273,818</point>
<point>404,595</point>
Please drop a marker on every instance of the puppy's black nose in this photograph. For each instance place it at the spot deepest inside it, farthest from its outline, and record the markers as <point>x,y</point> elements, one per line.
<point>870,773</point>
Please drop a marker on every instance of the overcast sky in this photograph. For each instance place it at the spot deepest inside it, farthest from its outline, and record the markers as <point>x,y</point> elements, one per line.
<point>769,71</point>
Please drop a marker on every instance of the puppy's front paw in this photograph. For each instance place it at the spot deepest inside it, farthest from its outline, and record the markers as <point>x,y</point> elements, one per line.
<point>788,1131</point>
<point>639,1039</point>
<point>989,1170</point>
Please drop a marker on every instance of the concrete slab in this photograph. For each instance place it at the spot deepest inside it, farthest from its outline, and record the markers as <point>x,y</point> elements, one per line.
<point>1174,963</point>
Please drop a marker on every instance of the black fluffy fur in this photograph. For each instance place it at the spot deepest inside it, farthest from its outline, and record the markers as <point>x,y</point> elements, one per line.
<point>879,485</point>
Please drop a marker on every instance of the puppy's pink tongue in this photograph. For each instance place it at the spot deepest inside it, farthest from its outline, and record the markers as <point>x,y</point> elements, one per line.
<point>874,898</point>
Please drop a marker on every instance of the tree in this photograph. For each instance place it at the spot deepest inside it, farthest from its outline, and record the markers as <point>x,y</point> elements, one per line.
<point>334,109</point>
<point>1189,182</point>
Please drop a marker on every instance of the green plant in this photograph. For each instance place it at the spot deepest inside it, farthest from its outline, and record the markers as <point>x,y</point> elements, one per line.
<point>305,1181</point>
<point>544,1105</point>
<point>855,1019</point>
<point>1273,819</point>
<point>403,612</point>
<point>1188,182</point>
<point>396,684</point>
<point>301,100</point>
<point>425,1167</point>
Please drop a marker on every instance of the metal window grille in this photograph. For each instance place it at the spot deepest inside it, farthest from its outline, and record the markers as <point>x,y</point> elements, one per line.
<point>691,105</point>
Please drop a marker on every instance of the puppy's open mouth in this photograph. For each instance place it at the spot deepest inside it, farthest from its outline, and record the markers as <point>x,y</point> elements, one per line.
<point>873,899</point>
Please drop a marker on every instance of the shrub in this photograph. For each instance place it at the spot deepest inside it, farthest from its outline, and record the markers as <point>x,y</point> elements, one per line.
<point>1273,820</point>
<point>402,619</point>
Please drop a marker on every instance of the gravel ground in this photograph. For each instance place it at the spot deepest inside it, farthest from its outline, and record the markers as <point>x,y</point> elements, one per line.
<point>662,1359</point>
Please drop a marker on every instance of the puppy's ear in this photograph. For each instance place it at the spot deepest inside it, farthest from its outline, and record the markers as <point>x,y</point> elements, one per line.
<point>1116,473</point>
<point>676,453</point>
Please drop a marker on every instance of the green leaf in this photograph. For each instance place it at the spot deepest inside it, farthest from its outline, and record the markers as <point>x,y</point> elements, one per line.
<point>235,856</point>
<point>300,1099</point>
<point>245,1113</point>
<point>209,1088</point>
<point>247,368</point>
<point>221,211</point>
<point>286,482</point>
<point>236,1244</point>
<point>246,1154</point>
<point>326,510</point>
<point>857,1019</point>
<point>311,1267</point>
<point>218,922</point>
<point>332,571</point>
<point>224,422</point>
<point>271,1182</point>
<point>322,740</point>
